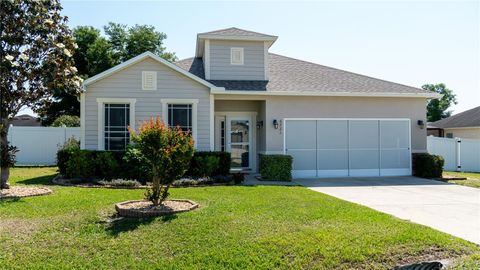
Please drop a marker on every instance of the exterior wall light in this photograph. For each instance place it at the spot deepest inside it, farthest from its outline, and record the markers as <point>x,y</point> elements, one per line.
<point>275,123</point>
<point>259,124</point>
<point>421,124</point>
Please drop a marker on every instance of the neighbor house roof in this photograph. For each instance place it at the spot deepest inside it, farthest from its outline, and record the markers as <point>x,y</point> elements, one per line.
<point>470,118</point>
<point>289,75</point>
<point>25,120</point>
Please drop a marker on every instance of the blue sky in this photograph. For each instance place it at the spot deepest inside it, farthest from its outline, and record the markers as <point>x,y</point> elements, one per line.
<point>407,42</point>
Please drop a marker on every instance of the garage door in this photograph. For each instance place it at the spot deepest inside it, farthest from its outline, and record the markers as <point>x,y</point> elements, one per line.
<point>348,147</point>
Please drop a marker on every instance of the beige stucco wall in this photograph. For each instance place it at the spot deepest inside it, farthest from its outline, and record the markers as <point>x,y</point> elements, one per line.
<point>467,133</point>
<point>344,107</point>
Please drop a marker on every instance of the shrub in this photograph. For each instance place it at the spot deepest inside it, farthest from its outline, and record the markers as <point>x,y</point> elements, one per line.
<point>187,182</point>
<point>81,164</point>
<point>427,165</point>
<point>65,152</point>
<point>168,151</point>
<point>198,160</point>
<point>120,183</point>
<point>134,165</point>
<point>238,177</point>
<point>67,120</point>
<point>204,165</point>
<point>106,165</point>
<point>276,167</point>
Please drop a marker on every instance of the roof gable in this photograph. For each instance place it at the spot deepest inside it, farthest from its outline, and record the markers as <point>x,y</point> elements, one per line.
<point>140,58</point>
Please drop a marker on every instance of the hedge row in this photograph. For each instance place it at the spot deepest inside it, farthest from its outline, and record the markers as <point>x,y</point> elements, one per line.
<point>130,164</point>
<point>276,167</point>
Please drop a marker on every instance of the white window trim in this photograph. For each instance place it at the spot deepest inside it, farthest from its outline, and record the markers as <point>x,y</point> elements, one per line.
<point>232,49</point>
<point>193,102</point>
<point>154,86</point>
<point>101,116</point>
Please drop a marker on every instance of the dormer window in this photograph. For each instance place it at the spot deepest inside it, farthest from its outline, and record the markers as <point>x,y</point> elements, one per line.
<point>149,80</point>
<point>236,56</point>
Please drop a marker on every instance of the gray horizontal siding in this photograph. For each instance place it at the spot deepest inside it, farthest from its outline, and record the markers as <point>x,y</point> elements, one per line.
<point>127,84</point>
<point>253,67</point>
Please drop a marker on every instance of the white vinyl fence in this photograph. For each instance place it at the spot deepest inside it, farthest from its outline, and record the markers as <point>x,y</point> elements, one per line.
<point>459,154</point>
<point>38,145</point>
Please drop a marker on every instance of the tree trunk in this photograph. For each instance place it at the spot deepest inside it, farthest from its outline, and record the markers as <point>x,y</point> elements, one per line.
<point>4,166</point>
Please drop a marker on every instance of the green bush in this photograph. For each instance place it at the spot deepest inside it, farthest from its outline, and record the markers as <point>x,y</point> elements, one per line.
<point>65,152</point>
<point>67,120</point>
<point>427,165</point>
<point>106,165</point>
<point>204,165</point>
<point>134,165</point>
<point>198,160</point>
<point>276,167</point>
<point>81,165</point>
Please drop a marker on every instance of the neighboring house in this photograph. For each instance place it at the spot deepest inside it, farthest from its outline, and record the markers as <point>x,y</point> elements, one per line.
<point>236,96</point>
<point>25,120</point>
<point>463,125</point>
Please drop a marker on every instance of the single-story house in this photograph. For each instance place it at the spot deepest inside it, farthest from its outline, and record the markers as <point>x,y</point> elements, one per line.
<point>237,96</point>
<point>463,125</point>
<point>25,120</point>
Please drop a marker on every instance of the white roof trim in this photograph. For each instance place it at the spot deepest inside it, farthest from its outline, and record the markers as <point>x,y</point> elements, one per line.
<point>141,57</point>
<point>330,94</point>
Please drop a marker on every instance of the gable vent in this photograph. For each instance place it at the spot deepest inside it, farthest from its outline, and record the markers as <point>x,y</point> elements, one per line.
<point>149,80</point>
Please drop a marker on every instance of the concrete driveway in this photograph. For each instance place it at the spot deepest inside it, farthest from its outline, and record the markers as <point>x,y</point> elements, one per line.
<point>446,207</point>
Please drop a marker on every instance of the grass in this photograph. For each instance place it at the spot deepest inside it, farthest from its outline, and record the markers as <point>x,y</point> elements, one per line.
<point>236,227</point>
<point>473,179</point>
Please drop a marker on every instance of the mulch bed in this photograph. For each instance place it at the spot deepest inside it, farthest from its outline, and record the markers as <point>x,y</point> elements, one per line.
<point>144,209</point>
<point>23,191</point>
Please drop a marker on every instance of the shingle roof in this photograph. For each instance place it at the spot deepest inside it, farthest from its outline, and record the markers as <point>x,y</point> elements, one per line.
<point>292,75</point>
<point>470,118</point>
<point>233,31</point>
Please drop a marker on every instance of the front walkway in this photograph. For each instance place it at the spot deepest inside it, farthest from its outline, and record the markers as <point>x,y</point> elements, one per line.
<point>446,207</point>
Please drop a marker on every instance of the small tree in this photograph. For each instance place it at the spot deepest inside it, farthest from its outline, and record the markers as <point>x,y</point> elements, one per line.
<point>168,152</point>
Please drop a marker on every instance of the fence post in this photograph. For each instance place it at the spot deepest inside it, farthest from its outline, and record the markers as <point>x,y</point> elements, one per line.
<point>458,160</point>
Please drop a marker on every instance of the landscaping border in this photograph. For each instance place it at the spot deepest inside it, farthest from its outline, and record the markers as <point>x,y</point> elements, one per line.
<point>139,213</point>
<point>34,191</point>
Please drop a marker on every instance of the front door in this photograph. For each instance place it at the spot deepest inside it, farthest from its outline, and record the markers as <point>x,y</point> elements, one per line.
<point>239,141</point>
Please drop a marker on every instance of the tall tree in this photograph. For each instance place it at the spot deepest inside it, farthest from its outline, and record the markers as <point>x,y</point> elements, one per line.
<point>96,53</point>
<point>130,42</point>
<point>35,59</point>
<point>438,108</point>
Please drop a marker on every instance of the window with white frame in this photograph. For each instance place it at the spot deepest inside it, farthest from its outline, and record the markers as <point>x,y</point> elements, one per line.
<point>236,56</point>
<point>117,120</point>
<point>180,115</point>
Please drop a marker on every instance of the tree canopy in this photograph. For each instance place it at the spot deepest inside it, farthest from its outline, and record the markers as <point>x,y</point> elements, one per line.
<point>437,109</point>
<point>97,53</point>
<point>36,48</point>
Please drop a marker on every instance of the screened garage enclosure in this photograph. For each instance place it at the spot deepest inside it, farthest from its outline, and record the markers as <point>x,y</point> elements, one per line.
<point>348,147</point>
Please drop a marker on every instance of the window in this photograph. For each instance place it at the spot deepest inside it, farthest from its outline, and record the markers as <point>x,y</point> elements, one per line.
<point>449,135</point>
<point>180,115</point>
<point>236,56</point>
<point>117,120</point>
<point>149,80</point>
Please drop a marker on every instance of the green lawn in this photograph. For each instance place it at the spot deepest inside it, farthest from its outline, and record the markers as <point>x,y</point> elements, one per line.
<point>237,227</point>
<point>473,179</point>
